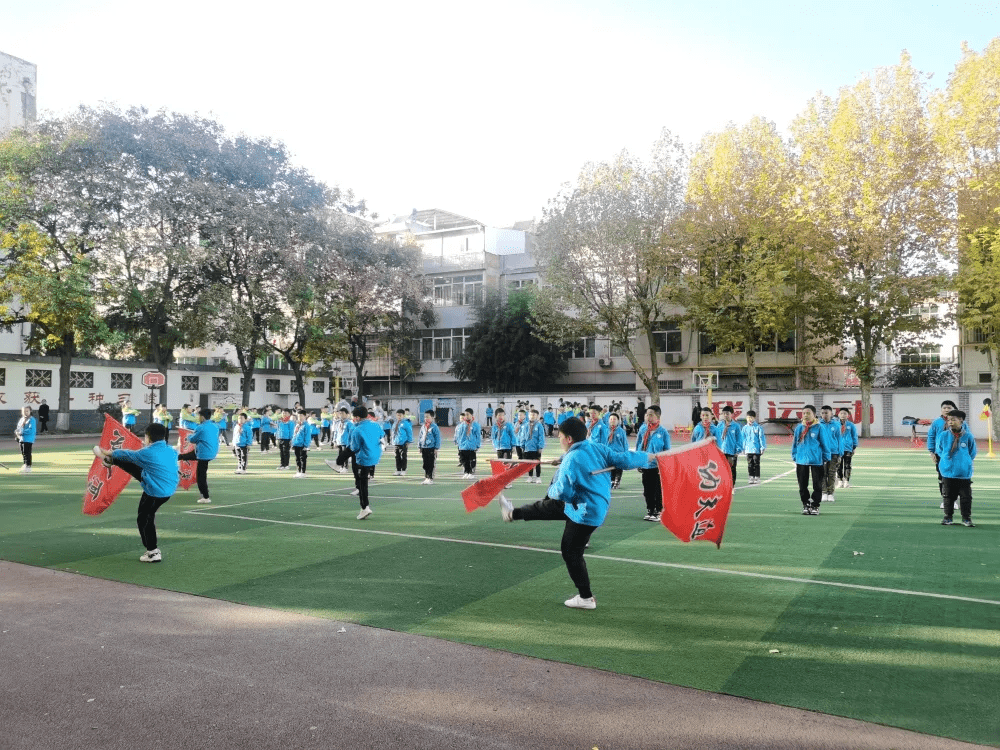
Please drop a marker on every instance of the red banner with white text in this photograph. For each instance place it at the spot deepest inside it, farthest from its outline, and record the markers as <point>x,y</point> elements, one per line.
<point>697,486</point>
<point>105,483</point>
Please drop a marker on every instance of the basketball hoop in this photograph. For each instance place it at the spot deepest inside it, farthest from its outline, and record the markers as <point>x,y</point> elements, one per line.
<point>705,381</point>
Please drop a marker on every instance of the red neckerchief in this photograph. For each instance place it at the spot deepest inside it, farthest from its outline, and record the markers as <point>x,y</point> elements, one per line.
<point>611,433</point>
<point>802,437</point>
<point>645,438</point>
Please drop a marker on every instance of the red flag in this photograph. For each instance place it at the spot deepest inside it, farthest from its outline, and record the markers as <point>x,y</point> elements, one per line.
<point>185,469</point>
<point>104,484</point>
<point>697,486</point>
<point>480,494</point>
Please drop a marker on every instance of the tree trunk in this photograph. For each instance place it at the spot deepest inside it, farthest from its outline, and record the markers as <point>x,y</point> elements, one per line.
<point>752,378</point>
<point>65,364</point>
<point>652,385</point>
<point>866,400</point>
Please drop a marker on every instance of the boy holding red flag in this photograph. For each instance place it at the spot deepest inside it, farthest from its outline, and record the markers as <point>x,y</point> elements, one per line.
<point>155,466</point>
<point>579,497</point>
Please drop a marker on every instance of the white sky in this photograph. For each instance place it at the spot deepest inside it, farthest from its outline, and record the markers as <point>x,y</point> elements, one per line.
<point>481,109</point>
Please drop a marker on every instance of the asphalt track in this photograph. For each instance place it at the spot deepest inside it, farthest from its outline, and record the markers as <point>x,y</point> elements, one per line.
<point>88,663</point>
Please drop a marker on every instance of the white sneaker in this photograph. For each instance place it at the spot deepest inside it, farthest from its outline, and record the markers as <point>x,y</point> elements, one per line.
<point>300,475</point>
<point>204,500</point>
<point>152,555</point>
<point>355,491</point>
<point>365,512</point>
<point>427,481</point>
<point>395,473</point>
<point>506,508</point>
<point>25,469</point>
<point>402,473</point>
<point>538,480</point>
<point>824,498</point>
<point>578,602</point>
<point>942,505</point>
<point>529,480</point>
<point>831,498</point>
<point>847,485</point>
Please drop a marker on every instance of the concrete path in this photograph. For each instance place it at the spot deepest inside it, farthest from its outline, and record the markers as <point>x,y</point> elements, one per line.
<point>87,663</point>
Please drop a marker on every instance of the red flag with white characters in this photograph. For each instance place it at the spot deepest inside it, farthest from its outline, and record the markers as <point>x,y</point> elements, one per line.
<point>104,483</point>
<point>186,469</point>
<point>480,494</point>
<point>697,486</point>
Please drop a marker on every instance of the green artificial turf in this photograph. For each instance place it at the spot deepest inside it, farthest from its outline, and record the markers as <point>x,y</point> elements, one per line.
<point>667,611</point>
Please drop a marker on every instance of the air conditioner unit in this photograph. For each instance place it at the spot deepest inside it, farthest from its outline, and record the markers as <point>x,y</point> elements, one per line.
<point>604,362</point>
<point>672,358</point>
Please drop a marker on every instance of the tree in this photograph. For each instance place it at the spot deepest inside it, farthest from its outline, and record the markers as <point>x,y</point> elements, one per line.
<point>54,200</point>
<point>967,128</point>
<point>919,376</point>
<point>607,256</point>
<point>742,233</point>
<point>373,299</point>
<point>504,352</point>
<point>870,185</point>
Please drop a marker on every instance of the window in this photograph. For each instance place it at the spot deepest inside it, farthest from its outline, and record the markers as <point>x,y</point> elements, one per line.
<point>319,386</point>
<point>617,351</point>
<point>190,383</point>
<point>38,378</point>
<point>220,384</point>
<point>584,349</point>
<point>516,284</point>
<point>193,361</point>
<point>121,381</point>
<point>79,379</point>
<point>440,343</point>
<point>3,376</point>
<point>452,291</point>
<point>272,385</point>
<point>928,354</point>
<point>926,310</point>
<point>985,378</point>
<point>667,338</point>
<point>272,362</point>
<point>253,384</point>
<point>978,335</point>
<point>672,385</point>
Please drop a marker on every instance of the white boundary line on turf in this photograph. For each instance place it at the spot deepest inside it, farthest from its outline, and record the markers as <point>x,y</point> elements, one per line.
<point>679,566</point>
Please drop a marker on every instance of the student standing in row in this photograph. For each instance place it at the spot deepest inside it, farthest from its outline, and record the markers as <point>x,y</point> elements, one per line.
<point>128,416</point>
<point>429,442</point>
<point>754,445</point>
<point>205,440</point>
<point>25,434</point>
<point>301,435</point>
<point>618,442</point>
<point>704,429</point>
<point>956,449</point>
<point>832,426</point>
<point>848,444</point>
<point>400,438</point>
<point>242,440</point>
<point>810,452</point>
<point>502,435</point>
<point>938,426</point>
<point>285,430</point>
<point>652,438</point>
<point>534,444</point>
<point>729,438</point>
<point>469,437</point>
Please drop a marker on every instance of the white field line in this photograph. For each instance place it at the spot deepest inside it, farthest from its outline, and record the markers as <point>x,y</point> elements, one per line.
<point>678,566</point>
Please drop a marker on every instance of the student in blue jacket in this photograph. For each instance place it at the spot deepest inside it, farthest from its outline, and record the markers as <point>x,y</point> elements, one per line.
<point>938,426</point>
<point>242,440</point>
<point>429,443</point>
<point>595,426</point>
<point>468,436</point>
<point>754,445</point>
<point>832,427</point>
<point>155,466</point>
<point>502,435</point>
<point>956,448</point>
<point>617,441</point>
<point>652,438</point>
<point>25,434</point>
<point>366,444</point>
<point>729,438</point>
<point>579,498</point>
<point>849,444</point>
<point>810,452</point>
<point>704,429</point>
<point>400,437</point>
<point>284,429</point>
<point>301,436</point>
<point>534,444</point>
<point>205,440</point>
